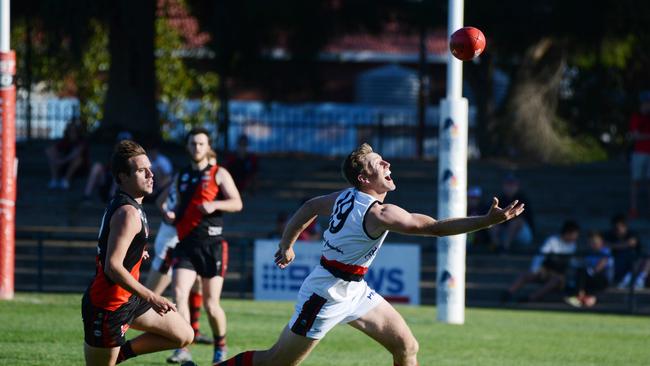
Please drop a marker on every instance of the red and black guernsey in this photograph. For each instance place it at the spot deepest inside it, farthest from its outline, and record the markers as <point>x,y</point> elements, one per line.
<point>195,187</point>
<point>104,293</point>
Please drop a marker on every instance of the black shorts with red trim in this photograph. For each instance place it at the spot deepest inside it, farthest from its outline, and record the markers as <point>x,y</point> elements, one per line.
<point>105,328</point>
<point>206,258</point>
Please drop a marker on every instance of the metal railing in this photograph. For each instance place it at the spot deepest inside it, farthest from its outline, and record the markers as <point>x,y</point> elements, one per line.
<point>46,119</point>
<point>37,252</point>
<point>82,246</point>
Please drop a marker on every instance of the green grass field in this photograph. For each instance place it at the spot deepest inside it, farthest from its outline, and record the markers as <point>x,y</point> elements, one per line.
<point>45,329</point>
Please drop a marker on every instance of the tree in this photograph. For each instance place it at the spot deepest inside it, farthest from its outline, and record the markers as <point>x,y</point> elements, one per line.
<point>103,53</point>
<point>130,98</point>
<point>68,29</point>
<point>539,43</point>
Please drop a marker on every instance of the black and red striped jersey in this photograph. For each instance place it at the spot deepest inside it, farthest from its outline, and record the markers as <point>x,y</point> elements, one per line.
<point>194,187</point>
<point>104,293</point>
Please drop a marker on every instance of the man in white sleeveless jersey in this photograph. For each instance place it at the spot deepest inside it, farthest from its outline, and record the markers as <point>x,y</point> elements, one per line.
<point>335,291</point>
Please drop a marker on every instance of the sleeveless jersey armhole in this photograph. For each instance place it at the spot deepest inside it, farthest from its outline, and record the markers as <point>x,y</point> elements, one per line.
<point>364,222</point>
<point>216,170</point>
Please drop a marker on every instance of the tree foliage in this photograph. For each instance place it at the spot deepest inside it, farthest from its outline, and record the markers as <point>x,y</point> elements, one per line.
<point>71,56</point>
<point>178,82</point>
<point>598,50</point>
<point>61,60</point>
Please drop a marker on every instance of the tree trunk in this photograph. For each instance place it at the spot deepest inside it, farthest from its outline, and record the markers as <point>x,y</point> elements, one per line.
<point>531,128</point>
<point>130,99</point>
<point>481,78</point>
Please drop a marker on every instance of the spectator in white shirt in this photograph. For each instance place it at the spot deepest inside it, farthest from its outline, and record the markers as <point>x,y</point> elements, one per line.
<point>548,268</point>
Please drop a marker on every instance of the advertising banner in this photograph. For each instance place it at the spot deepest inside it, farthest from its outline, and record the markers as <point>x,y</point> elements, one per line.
<point>395,272</point>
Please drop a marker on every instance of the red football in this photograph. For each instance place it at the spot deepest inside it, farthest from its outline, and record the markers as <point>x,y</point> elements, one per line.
<point>467,43</point>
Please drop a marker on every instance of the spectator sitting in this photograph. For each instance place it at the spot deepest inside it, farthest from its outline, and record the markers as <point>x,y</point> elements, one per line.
<point>638,276</point>
<point>631,265</point>
<point>100,177</point>
<point>640,160</point>
<point>549,267</point>
<point>518,231</point>
<point>242,165</point>
<point>594,275</point>
<point>626,250</point>
<point>68,156</point>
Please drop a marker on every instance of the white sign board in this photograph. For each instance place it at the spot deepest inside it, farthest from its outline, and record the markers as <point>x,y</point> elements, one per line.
<point>395,272</point>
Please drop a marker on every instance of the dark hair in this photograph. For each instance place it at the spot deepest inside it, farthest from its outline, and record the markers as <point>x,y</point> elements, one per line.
<point>569,226</point>
<point>197,131</point>
<point>618,219</point>
<point>124,150</point>
<point>352,165</point>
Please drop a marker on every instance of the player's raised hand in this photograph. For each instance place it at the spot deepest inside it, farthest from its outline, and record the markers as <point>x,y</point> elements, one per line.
<point>497,215</point>
<point>283,257</point>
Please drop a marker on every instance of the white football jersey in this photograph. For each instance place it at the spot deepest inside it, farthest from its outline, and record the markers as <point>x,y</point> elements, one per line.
<point>346,240</point>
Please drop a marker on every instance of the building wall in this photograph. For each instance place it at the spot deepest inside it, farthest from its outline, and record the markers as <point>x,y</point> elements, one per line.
<point>326,82</point>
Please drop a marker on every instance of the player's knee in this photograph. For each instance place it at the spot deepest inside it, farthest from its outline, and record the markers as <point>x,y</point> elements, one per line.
<point>181,296</point>
<point>212,307</point>
<point>184,336</point>
<point>408,347</point>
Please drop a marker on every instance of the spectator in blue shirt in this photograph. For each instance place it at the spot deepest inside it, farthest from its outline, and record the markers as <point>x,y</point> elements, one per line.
<point>594,275</point>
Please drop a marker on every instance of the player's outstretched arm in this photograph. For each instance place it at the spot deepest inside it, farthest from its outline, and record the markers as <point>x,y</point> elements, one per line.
<point>394,218</point>
<point>301,219</point>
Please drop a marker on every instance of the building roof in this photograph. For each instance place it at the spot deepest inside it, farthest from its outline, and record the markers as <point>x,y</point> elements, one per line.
<point>388,45</point>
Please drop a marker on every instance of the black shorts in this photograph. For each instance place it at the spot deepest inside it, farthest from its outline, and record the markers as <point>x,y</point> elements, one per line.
<point>105,328</point>
<point>207,259</point>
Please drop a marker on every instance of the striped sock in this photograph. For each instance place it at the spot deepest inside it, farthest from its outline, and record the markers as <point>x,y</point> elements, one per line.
<point>219,341</point>
<point>242,359</point>
<point>195,301</point>
<point>126,352</point>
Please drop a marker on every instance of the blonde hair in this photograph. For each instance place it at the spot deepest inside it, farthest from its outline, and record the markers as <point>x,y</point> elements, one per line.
<point>212,155</point>
<point>353,165</point>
